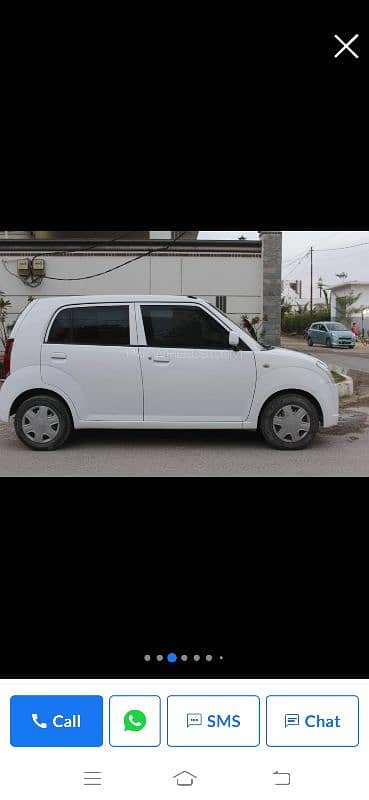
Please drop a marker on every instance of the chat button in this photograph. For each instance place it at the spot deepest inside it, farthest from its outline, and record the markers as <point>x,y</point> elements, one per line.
<point>312,720</point>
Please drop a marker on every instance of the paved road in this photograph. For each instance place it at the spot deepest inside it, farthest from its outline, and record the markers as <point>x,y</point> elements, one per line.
<point>200,454</point>
<point>349,359</point>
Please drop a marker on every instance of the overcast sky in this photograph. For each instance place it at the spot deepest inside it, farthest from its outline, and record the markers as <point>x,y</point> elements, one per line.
<point>353,260</point>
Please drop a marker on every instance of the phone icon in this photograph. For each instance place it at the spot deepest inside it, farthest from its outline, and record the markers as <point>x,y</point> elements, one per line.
<point>42,725</point>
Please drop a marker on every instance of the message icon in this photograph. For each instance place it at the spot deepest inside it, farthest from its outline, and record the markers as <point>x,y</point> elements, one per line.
<point>194,719</point>
<point>134,720</point>
<point>291,719</point>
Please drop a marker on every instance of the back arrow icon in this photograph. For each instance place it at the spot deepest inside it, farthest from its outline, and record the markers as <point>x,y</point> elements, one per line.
<point>283,775</point>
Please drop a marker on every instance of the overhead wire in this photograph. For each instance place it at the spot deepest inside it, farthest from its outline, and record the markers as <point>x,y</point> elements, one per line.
<point>105,271</point>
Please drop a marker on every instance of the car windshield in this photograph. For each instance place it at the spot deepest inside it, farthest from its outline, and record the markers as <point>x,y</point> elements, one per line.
<point>258,345</point>
<point>336,326</point>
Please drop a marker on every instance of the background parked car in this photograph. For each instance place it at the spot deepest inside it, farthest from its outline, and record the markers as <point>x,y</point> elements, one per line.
<point>332,334</point>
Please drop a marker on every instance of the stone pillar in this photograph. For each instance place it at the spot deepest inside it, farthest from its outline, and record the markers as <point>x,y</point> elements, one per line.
<point>271,254</point>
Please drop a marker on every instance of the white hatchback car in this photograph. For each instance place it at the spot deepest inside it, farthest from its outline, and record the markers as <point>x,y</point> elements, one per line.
<point>155,362</point>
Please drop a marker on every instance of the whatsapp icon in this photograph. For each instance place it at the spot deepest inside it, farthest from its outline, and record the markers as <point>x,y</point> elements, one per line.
<point>134,720</point>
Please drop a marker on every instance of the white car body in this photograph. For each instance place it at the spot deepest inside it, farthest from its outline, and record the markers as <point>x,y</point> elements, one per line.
<point>142,386</point>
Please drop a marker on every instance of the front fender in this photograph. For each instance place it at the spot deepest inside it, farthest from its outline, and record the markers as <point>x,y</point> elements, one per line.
<point>271,381</point>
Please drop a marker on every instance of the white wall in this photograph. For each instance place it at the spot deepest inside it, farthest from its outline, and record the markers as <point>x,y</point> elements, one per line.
<point>237,277</point>
<point>359,288</point>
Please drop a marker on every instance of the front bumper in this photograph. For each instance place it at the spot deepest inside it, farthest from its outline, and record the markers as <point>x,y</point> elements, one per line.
<point>330,405</point>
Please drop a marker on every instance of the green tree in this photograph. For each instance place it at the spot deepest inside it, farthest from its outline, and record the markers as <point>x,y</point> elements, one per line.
<point>286,307</point>
<point>327,299</point>
<point>302,309</point>
<point>345,307</point>
<point>325,307</point>
<point>4,306</point>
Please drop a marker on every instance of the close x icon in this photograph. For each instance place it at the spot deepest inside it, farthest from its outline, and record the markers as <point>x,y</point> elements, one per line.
<point>345,42</point>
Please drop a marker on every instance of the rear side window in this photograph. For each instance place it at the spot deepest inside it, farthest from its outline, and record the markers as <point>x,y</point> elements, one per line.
<point>96,325</point>
<point>61,329</point>
<point>182,326</point>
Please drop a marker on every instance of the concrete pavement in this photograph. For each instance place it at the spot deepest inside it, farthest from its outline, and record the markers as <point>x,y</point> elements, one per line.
<point>340,452</point>
<point>349,359</point>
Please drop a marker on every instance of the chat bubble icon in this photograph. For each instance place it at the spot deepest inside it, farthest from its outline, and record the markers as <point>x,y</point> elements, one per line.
<point>291,719</point>
<point>134,720</point>
<point>194,719</point>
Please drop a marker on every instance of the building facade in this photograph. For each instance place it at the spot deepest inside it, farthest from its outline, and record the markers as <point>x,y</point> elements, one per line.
<point>238,276</point>
<point>361,316</point>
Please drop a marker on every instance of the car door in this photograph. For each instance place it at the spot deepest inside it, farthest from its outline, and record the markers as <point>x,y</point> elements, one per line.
<point>190,373</point>
<point>324,334</point>
<point>90,354</point>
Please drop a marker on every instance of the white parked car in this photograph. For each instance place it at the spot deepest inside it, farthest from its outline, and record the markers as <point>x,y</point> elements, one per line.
<point>155,362</point>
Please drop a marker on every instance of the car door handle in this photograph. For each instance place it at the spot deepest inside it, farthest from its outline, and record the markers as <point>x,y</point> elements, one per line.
<point>59,356</point>
<point>161,359</point>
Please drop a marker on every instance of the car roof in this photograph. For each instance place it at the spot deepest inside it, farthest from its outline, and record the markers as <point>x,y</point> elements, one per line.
<point>60,300</point>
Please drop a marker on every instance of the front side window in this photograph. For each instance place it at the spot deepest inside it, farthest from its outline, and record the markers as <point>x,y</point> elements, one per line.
<point>94,325</point>
<point>183,326</point>
<point>336,326</point>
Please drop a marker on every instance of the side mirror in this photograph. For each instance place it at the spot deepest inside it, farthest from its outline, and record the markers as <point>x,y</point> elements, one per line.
<point>234,339</point>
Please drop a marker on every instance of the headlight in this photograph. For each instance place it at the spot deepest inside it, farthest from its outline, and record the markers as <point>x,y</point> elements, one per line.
<point>323,365</point>
<point>325,369</point>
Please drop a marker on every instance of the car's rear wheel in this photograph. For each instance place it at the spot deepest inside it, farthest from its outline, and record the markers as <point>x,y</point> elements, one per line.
<point>310,341</point>
<point>289,422</point>
<point>43,422</point>
<point>328,342</point>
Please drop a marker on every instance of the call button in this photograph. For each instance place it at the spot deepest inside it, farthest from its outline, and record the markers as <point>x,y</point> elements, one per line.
<point>56,721</point>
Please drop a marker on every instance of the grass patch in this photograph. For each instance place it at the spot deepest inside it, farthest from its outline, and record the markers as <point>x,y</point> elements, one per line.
<point>337,377</point>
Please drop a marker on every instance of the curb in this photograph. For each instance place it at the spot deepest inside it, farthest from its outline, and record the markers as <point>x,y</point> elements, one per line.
<point>345,388</point>
<point>355,399</point>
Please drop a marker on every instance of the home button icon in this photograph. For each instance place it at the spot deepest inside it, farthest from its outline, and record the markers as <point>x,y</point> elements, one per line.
<point>185,778</point>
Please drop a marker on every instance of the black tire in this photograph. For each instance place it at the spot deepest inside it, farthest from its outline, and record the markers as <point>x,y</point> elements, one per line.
<point>269,426</point>
<point>351,346</point>
<point>328,343</point>
<point>59,427</point>
<point>310,342</point>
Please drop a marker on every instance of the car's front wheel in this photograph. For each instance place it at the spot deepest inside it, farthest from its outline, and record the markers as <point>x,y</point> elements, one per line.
<point>43,422</point>
<point>329,342</point>
<point>289,422</point>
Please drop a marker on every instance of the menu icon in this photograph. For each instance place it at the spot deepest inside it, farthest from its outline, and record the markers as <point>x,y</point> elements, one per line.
<point>92,778</point>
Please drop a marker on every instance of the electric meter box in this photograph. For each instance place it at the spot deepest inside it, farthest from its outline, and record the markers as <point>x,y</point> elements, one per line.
<point>22,266</point>
<point>38,266</point>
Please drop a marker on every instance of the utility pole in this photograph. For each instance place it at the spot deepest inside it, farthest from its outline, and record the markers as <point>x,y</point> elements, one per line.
<point>311,281</point>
